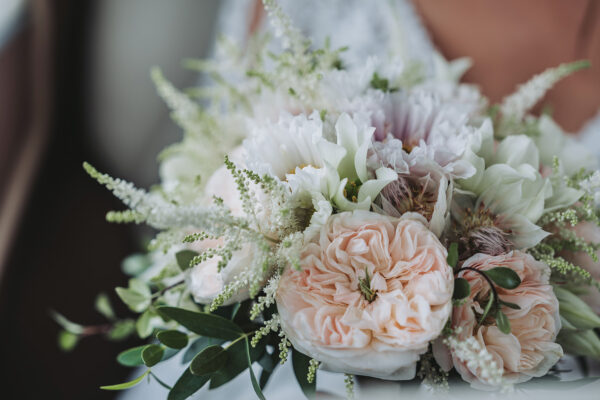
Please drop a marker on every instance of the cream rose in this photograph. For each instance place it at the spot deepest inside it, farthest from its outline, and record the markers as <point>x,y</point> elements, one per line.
<point>372,292</point>
<point>529,350</point>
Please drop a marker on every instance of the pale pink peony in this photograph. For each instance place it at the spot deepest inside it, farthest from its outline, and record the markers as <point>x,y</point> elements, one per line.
<point>590,232</point>
<point>327,316</point>
<point>529,350</point>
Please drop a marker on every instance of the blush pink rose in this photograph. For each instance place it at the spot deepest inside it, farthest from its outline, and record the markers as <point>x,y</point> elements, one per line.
<point>529,350</point>
<point>328,317</point>
<point>590,232</point>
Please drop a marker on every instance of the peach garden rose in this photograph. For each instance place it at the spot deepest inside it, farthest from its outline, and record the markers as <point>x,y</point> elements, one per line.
<point>371,293</point>
<point>529,350</point>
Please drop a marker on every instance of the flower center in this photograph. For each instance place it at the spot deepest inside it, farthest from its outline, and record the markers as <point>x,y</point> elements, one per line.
<point>364,284</point>
<point>351,191</point>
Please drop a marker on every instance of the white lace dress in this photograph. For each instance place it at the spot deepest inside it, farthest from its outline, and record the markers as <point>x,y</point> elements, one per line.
<point>383,28</point>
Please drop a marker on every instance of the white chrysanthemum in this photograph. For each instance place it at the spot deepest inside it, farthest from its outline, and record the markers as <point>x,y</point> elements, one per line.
<point>295,150</point>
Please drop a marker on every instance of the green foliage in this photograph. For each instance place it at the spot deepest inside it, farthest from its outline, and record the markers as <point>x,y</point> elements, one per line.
<point>126,385</point>
<point>66,324</point>
<point>574,310</point>
<point>142,325</point>
<point>237,362</point>
<point>198,345</point>
<point>187,385</point>
<point>152,354</point>
<point>131,357</point>
<point>137,296</point>
<point>301,364</point>
<point>67,340</point>
<point>255,384</point>
<point>452,258</point>
<point>209,360</point>
<point>104,307</point>
<point>184,258</point>
<point>204,324</point>
<point>173,339</point>
<point>504,277</point>
<point>502,322</point>
<point>462,289</point>
<point>121,329</point>
<point>135,264</point>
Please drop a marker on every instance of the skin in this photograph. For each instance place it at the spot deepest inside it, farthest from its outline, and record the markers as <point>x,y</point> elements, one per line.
<point>511,40</point>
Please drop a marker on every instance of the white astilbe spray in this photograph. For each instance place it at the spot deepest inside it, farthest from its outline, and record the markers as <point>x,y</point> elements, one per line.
<point>515,106</point>
<point>477,358</point>
<point>290,36</point>
<point>268,299</point>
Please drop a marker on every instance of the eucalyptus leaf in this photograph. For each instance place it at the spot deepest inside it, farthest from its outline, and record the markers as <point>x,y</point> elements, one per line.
<point>126,385</point>
<point>187,385</point>
<point>143,326</point>
<point>173,339</point>
<point>487,308</point>
<point>504,277</point>
<point>209,360</point>
<point>509,305</point>
<point>104,307</point>
<point>184,258</point>
<point>236,363</point>
<point>255,385</point>
<point>121,330</point>
<point>131,357</point>
<point>197,346</point>
<point>301,362</point>
<point>264,378</point>
<point>152,354</point>
<point>462,289</point>
<point>452,258</point>
<point>502,322</point>
<point>67,340</point>
<point>136,301</point>
<point>135,264</point>
<point>160,381</point>
<point>66,324</point>
<point>204,324</point>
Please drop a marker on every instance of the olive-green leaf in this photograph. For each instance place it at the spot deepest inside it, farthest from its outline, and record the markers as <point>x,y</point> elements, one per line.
<point>131,357</point>
<point>236,362</point>
<point>204,324</point>
<point>510,305</point>
<point>67,340</point>
<point>452,258</point>
<point>152,354</point>
<point>121,329</point>
<point>487,308</point>
<point>301,362</point>
<point>126,385</point>
<point>187,385</point>
<point>197,346</point>
<point>173,339</point>
<point>255,384</point>
<point>502,322</point>
<point>462,289</point>
<point>104,307</point>
<point>504,277</point>
<point>184,258</point>
<point>209,360</point>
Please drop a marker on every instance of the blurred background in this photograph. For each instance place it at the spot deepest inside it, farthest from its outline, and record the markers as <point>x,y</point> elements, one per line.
<point>75,86</point>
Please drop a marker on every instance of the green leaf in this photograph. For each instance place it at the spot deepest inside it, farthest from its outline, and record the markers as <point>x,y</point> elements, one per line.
<point>197,346</point>
<point>301,362</point>
<point>575,310</point>
<point>160,382</point>
<point>142,325</point>
<point>255,385</point>
<point>236,363</point>
<point>487,309</point>
<point>452,258</point>
<point>152,354</point>
<point>209,360</point>
<point>264,378</point>
<point>187,385</point>
<point>462,289</point>
<point>504,277</point>
<point>204,324</point>
<point>184,258</point>
<point>502,322</point>
<point>173,339</point>
<point>134,299</point>
<point>509,305</point>
<point>67,340</point>
<point>126,385</point>
<point>66,324</point>
<point>131,357</point>
<point>135,264</point>
<point>103,306</point>
<point>121,330</point>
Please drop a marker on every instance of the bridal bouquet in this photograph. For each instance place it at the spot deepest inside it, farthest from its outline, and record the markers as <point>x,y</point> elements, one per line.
<point>380,220</point>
